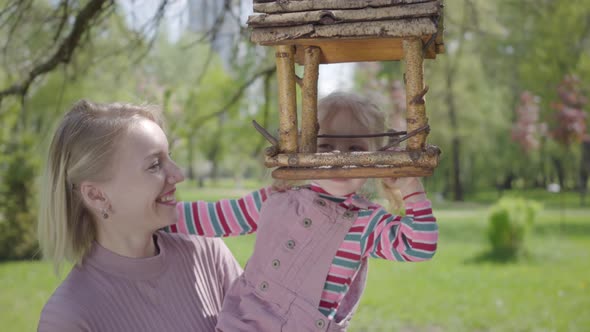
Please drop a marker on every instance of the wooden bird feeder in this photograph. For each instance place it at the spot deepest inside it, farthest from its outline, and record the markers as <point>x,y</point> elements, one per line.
<point>314,32</point>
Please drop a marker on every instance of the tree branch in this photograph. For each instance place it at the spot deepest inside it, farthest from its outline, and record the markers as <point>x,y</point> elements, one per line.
<point>153,23</point>
<point>463,28</point>
<point>236,96</point>
<point>7,11</point>
<point>210,35</point>
<point>65,51</point>
<point>21,8</point>
<point>63,20</point>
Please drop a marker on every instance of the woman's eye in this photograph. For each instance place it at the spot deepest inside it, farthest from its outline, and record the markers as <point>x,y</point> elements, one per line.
<point>155,166</point>
<point>356,148</point>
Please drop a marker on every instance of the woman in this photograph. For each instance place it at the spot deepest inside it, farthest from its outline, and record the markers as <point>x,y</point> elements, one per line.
<point>108,175</point>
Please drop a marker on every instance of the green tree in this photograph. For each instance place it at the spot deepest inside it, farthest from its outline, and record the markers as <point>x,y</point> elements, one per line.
<point>527,51</point>
<point>51,57</point>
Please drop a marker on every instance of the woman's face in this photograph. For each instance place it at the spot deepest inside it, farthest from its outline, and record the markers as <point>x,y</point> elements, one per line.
<point>141,189</point>
<point>344,123</point>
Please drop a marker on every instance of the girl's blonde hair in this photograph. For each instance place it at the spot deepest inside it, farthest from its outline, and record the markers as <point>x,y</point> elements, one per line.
<point>368,116</point>
<point>82,149</point>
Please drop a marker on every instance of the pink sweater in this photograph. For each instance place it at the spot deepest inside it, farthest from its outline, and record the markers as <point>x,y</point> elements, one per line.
<point>180,289</point>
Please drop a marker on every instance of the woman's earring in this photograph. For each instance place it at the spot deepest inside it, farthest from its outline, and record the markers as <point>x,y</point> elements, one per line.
<point>105,215</point>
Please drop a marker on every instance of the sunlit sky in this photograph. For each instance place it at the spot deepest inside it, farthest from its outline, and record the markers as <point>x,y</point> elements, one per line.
<point>332,77</point>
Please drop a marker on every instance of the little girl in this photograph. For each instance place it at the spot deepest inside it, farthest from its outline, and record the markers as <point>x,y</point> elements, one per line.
<point>309,265</point>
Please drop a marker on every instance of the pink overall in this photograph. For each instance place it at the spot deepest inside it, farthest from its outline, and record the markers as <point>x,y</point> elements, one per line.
<point>281,286</point>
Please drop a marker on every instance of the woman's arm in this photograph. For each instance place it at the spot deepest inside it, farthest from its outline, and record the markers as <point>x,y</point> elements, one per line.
<point>60,315</point>
<point>228,268</point>
<point>227,217</point>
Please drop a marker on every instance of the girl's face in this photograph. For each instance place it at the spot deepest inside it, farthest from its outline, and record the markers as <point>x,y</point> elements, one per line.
<point>141,190</point>
<point>343,123</point>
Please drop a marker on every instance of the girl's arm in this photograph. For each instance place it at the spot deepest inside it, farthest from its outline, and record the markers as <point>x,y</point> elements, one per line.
<point>227,217</point>
<point>412,237</point>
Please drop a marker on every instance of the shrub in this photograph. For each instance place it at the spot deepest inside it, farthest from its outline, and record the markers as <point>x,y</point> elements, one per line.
<point>18,212</point>
<point>509,221</point>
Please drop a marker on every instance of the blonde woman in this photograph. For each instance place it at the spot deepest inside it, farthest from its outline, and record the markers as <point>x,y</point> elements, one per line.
<point>108,188</point>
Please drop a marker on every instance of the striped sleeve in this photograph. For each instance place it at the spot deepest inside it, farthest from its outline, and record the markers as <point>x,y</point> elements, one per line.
<point>412,237</point>
<point>227,217</point>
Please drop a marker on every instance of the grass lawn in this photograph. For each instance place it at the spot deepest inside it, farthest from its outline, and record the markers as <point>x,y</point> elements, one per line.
<point>460,290</point>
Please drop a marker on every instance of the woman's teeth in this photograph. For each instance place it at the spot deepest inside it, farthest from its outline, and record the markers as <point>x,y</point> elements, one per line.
<point>166,199</point>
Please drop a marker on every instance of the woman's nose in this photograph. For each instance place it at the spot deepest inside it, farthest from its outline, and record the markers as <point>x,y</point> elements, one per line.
<point>175,174</point>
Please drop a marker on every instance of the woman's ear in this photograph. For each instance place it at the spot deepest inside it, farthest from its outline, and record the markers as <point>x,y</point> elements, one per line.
<point>94,196</point>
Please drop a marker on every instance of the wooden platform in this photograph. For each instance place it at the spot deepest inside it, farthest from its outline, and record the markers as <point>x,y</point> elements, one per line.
<point>375,164</point>
<point>303,173</point>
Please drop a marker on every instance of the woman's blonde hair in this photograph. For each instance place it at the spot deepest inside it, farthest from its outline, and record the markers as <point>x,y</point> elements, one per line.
<point>82,149</point>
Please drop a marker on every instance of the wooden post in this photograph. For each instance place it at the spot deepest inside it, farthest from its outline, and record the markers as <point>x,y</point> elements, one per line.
<point>309,112</point>
<point>285,60</point>
<point>416,110</point>
<point>440,46</point>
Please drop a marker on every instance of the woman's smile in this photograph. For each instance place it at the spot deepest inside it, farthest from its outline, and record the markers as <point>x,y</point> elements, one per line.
<point>167,198</point>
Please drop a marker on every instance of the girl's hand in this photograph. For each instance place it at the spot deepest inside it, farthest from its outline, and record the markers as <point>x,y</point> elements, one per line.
<point>407,186</point>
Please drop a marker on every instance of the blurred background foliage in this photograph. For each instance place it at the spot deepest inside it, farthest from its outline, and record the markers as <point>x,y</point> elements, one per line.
<point>507,104</point>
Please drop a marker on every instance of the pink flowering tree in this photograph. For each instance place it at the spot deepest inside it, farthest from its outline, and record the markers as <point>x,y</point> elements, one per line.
<point>527,129</point>
<point>570,128</point>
